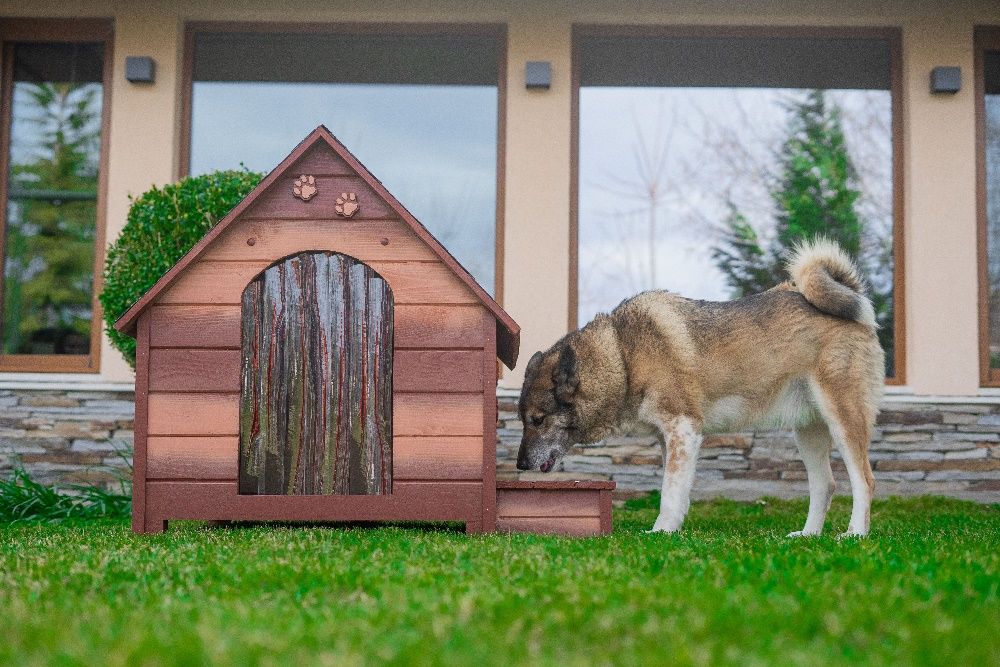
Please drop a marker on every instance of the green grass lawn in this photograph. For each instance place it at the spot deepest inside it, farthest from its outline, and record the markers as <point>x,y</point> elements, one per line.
<point>924,588</point>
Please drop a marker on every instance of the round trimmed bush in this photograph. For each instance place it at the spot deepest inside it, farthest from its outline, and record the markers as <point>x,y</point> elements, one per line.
<point>163,224</point>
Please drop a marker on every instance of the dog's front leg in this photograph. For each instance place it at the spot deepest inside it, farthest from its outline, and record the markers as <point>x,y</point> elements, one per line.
<point>681,442</point>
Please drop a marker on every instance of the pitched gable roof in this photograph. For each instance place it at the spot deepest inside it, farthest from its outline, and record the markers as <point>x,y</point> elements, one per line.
<point>508,332</point>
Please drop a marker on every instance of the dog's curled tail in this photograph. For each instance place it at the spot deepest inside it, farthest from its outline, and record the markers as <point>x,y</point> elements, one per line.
<point>829,280</point>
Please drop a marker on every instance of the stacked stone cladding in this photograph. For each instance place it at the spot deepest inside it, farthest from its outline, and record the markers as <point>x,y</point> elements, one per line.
<point>918,448</point>
<point>85,437</point>
<point>67,437</point>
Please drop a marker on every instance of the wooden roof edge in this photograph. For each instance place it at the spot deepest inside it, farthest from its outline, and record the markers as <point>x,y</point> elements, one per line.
<point>508,331</point>
<point>126,324</point>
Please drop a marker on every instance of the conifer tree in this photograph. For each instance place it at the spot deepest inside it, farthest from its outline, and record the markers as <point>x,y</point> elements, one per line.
<point>814,195</point>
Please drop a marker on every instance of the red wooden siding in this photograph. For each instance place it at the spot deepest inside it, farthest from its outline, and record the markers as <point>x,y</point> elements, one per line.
<point>277,201</point>
<point>183,369</point>
<point>410,501</point>
<point>438,327</point>
<point>218,370</point>
<point>571,526</point>
<point>413,458</point>
<point>222,283</point>
<point>416,414</point>
<point>366,240</point>
<point>196,457</point>
<point>319,160</point>
<point>444,366</point>
<point>562,508</point>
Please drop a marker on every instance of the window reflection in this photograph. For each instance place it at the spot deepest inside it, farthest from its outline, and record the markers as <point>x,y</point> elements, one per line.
<point>50,210</point>
<point>692,181</point>
<point>419,112</point>
<point>991,64</point>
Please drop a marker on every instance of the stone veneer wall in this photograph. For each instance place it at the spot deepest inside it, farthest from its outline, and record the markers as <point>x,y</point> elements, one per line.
<point>918,448</point>
<point>67,437</point>
<point>80,437</point>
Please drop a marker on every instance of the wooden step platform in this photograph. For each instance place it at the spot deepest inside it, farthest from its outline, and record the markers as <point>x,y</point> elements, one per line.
<point>577,508</point>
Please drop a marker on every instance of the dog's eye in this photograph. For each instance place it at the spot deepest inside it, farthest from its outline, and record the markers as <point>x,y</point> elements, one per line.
<point>537,420</point>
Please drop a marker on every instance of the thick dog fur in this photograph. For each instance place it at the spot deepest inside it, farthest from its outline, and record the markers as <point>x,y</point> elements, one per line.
<point>803,355</point>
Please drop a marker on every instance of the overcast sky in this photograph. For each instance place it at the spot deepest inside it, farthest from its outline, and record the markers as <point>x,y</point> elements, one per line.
<point>435,148</point>
<point>718,144</point>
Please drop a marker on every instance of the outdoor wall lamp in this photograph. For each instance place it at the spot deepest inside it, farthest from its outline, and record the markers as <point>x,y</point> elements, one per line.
<point>946,80</point>
<point>140,69</point>
<point>538,75</point>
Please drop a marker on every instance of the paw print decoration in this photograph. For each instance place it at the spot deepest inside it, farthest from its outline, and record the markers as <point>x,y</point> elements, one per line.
<point>304,187</point>
<point>347,204</point>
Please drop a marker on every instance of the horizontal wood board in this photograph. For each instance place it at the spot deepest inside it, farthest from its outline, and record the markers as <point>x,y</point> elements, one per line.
<point>218,371</point>
<point>215,458</point>
<point>222,283</point>
<point>410,501</point>
<point>415,326</point>
<point>270,240</point>
<point>277,201</point>
<point>416,414</point>
<point>319,160</point>
<point>568,526</point>
<point>556,507</point>
<point>551,503</point>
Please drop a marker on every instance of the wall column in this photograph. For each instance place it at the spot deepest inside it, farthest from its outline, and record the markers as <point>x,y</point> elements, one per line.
<point>536,188</point>
<point>144,127</point>
<point>940,217</point>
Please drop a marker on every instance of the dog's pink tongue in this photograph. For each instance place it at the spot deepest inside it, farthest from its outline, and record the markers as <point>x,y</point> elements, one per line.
<point>547,466</point>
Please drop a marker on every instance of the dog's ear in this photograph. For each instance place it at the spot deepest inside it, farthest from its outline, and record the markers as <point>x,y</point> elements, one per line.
<point>531,370</point>
<point>566,375</point>
<point>536,358</point>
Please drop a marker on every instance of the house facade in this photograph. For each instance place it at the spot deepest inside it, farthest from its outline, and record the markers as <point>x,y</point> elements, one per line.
<point>568,154</point>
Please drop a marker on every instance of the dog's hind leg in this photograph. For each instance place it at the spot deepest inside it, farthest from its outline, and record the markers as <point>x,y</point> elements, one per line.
<point>681,440</point>
<point>814,443</point>
<point>851,428</point>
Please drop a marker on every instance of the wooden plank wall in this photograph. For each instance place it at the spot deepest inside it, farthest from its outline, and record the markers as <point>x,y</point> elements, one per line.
<point>566,511</point>
<point>440,341</point>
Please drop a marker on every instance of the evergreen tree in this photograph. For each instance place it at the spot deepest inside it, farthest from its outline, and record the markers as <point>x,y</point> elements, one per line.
<point>50,241</point>
<point>748,267</point>
<point>814,196</point>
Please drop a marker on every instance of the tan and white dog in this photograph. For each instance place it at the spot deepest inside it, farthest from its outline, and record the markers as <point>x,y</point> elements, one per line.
<point>802,355</point>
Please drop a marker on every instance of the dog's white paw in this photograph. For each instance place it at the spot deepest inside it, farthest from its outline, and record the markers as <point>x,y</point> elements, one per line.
<point>665,526</point>
<point>852,534</point>
<point>803,533</point>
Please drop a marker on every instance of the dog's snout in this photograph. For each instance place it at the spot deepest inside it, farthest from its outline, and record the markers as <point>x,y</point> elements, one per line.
<point>522,458</point>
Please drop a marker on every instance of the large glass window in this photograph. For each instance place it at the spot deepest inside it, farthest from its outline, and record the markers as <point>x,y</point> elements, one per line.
<point>704,159</point>
<point>989,123</point>
<point>419,110</point>
<point>52,115</point>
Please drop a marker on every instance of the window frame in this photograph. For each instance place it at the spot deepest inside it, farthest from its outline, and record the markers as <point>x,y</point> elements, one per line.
<point>100,30</point>
<point>893,35</point>
<point>497,31</point>
<point>985,38</point>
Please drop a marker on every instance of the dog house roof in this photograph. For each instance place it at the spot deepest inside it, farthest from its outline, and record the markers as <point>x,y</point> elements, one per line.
<point>508,332</point>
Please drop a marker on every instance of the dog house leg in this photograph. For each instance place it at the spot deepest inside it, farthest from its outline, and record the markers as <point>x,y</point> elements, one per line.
<point>154,526</point>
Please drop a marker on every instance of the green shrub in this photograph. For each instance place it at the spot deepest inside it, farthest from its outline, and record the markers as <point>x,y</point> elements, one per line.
<point>24,499</point>
<point>163,224</point>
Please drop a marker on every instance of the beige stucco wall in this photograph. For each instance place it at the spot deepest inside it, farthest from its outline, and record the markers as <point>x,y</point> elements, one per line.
<point>939,158</point>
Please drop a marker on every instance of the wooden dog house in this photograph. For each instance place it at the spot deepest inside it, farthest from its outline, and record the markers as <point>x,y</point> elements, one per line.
<point>320,356</point>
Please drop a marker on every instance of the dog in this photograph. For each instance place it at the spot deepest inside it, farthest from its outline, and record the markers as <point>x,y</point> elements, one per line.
<point>802,355</point>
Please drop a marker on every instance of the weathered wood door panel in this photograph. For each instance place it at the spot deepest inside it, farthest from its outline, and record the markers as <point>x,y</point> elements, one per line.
<point>316,379</point>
